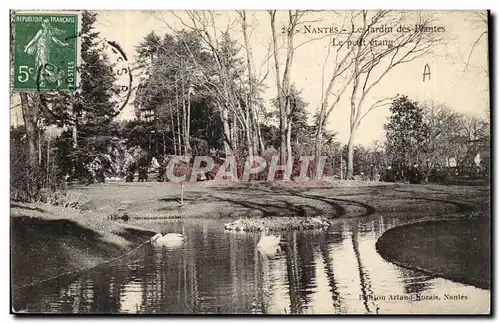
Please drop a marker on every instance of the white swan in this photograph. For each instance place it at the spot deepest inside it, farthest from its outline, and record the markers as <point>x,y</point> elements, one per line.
<point>268,243</point>
<point>169,240</point>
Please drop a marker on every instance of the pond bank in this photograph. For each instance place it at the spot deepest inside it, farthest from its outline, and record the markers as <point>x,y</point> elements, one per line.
<point>455,249</point>
<point>47,241</point>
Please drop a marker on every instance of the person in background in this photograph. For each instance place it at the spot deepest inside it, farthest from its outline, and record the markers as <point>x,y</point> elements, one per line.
<point>142,167</point>
<point>162,162</point>
<point>389,174</point>
<point>415,174</point>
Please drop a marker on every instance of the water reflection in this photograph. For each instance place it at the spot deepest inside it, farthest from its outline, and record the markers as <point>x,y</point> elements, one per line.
<point>215,271</point>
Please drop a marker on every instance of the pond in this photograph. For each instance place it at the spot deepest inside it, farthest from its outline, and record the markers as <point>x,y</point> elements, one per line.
<point>335,271</point>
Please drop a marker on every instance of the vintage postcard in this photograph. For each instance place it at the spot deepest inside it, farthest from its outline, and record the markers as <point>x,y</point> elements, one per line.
<point>250,162</point>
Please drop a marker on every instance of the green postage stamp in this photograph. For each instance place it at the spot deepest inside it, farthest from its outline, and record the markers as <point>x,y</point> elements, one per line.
<point>45,48</point>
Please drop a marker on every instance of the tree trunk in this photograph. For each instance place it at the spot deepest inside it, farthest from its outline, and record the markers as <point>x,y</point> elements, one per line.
<point>187,122</point>
<point>318,141</point>
<point>255,138</point>
<point>279,88</point>
<point>184,117</point>
<point>350,156</point>
<point>234,136</point>
<point>284,88</point>
<point>341,168</point>
<point>248,132</point>
<point>286,85</point>
<point>30,122</point>
<point>261,141</point>
<point>164,142</point>
<point>48,159</point>
<point>179,132</point>
<point>251,111</point>
<point>178,119</point>
<point>249,141</point>
<point>289,162</point>
<point>39,139</point>
<point>353,118</point>
<point>227,132</point>
<point>282,145</point>
<point>75,133</point>
<point>173,131</point>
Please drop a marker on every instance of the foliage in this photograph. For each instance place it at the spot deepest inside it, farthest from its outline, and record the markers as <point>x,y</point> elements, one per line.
<point>432,135</point>
<point>472,138</point>
<point>171,100</point>
<point>30,183</point>
<point>94,108</point>
<point>406,133</point>
<point>442,125</point>
<point>97,77</point>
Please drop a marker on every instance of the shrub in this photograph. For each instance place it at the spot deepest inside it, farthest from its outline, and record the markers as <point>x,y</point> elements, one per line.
<point>30,184</point>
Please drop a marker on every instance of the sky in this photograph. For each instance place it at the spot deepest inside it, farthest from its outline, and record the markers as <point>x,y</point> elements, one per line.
<point>462,90</point>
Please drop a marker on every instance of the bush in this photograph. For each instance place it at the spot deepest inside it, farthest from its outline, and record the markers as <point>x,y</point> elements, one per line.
<point>32,184</point>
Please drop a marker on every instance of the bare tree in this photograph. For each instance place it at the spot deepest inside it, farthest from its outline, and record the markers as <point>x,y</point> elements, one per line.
<point>442,124</point>
<point>258,142</point>
<point>473,136</point>
<point>376,55</point>
<point>339,79</point>
<point>228,95</point>
<point>175,92</point>
<point>283,81</point>
<point>479,22</point>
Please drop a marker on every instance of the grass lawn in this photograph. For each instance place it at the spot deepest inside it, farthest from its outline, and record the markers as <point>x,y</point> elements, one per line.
<point>455,249</point>
<point>280,199</point>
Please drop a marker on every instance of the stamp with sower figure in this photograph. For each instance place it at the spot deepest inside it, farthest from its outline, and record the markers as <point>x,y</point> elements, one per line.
<point>46,57</point>
<point>45,52</point>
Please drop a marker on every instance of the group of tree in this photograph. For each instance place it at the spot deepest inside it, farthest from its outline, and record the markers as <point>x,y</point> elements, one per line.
<point>199,86</point>
<point>435,137</point>
<point>64,132</point>
<point>203,61</point>
<point>199,90</point>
